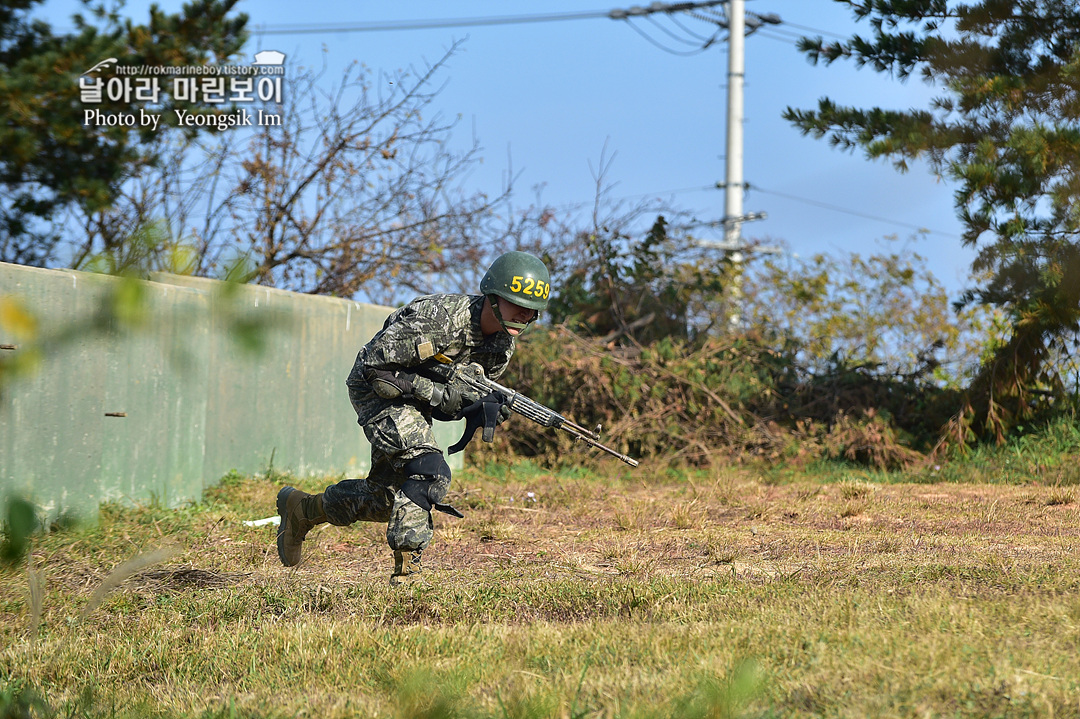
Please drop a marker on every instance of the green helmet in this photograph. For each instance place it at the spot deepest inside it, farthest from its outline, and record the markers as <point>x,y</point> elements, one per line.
<point>520,278</point>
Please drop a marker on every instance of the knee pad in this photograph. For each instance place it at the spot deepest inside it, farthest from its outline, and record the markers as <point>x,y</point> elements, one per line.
<point>431,465</point>
<point>428,481</point>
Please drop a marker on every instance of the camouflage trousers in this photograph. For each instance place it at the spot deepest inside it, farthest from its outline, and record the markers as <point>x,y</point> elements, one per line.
<point>398,434</point>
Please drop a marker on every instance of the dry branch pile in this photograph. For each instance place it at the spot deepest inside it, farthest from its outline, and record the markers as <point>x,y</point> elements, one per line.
<point>726,398</point>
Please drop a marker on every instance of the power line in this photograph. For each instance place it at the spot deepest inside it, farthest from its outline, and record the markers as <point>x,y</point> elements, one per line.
<point>676,36</point>
<point>820,32</point>
<point>784,33</point>
<point>442,23</point>
<point>756,188</point>
<point>638,196</point>
<point>428,24</point>
<point>683,53</point>
<point>690,8</point>
<point>701,38</point>
<point>779,38</point>
<point>846,211</point>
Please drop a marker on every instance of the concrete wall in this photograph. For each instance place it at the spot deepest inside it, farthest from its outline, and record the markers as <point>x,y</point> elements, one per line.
<point>196,400</point>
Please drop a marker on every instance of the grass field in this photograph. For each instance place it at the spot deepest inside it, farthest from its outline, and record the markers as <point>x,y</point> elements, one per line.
<point>723,593</point>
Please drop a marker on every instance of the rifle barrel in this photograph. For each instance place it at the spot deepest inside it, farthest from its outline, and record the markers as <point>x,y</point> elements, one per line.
<point>629,460</point>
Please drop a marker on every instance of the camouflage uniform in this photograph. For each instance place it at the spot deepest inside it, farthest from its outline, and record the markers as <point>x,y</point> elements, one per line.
<point>399,430</point>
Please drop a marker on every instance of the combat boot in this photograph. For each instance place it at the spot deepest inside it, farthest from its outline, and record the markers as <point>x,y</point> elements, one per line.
<point>300,512</point>
<point>407,567</point>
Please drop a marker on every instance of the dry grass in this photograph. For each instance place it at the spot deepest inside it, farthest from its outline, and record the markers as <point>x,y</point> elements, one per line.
<point>600,596</point>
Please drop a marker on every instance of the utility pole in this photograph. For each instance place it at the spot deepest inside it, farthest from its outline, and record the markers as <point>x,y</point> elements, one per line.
<point>733,154</point>
<point>733,205</point>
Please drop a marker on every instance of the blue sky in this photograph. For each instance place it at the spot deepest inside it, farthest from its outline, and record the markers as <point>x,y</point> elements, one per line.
<point>552,95</point>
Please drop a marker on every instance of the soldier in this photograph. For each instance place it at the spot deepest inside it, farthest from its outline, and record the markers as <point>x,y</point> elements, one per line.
<point>397,386</point>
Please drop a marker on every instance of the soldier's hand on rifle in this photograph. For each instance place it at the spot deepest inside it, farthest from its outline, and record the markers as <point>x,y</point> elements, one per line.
<point>448,399</point>
<point>392,385</point>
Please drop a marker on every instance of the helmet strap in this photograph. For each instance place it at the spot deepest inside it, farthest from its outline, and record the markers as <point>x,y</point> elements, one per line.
<point>507,325</point>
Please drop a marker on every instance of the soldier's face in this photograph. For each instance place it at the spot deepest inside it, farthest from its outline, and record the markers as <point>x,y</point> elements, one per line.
<point>515,313</point>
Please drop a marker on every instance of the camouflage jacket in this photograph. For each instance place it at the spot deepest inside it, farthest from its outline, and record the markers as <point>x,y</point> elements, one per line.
<point>414,334</point>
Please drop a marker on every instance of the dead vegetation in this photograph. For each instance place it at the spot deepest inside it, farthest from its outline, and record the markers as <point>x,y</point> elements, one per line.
<point>724,399</point>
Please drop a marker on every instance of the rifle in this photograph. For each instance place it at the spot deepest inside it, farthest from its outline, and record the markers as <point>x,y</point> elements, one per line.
<point>473,375</point>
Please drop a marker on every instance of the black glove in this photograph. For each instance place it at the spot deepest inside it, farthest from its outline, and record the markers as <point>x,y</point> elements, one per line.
<point>391,385</point>
<point>487,412</point>
<point>447,399</point>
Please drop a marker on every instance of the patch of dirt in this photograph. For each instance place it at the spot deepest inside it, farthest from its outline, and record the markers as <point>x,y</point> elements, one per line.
<point>737,530</point>
<point>178,579</point>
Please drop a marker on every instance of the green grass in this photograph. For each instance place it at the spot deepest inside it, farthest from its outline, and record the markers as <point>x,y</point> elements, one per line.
<point>722,593</point>
<point>1048,453</point>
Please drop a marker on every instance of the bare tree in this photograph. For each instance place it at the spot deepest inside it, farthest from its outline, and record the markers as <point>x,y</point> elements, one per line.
<point>355,193</point>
